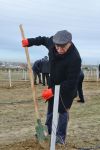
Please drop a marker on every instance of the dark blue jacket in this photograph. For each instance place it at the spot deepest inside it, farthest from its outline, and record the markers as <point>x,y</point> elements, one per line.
<point>37,66</point>
<point>81,77</point>
<point>45,67</point>
<point>64,71</point>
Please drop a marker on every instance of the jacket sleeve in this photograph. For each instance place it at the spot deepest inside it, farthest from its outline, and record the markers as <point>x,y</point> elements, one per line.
<point>38,41</point>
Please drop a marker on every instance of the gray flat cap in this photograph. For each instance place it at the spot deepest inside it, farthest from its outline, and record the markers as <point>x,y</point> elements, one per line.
<point>62,37</point>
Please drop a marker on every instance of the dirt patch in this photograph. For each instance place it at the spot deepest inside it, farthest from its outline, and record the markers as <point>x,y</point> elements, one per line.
<point>17,119</point>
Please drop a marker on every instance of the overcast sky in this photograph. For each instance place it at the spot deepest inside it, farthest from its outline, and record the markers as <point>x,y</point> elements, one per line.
<point>45,18</point>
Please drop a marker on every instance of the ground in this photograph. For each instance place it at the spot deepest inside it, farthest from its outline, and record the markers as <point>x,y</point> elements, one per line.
<point>17,119</point>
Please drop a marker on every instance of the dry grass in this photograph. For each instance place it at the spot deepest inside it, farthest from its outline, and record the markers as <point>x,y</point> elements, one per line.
<point>17,119</point>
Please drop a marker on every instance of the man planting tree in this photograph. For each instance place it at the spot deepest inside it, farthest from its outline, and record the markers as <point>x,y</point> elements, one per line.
<point>65,66</point>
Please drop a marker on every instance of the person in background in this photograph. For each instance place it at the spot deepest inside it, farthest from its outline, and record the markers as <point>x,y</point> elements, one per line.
<point>99,70</point>
<point>79,87</point>
<point>65,66</point>
<point>37,71</point>
<point>45,69</point>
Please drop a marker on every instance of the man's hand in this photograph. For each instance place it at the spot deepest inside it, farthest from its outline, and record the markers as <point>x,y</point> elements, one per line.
<point>25,43</point>
<point>47,93</point>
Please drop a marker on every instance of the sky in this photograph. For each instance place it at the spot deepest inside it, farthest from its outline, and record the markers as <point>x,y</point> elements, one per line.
<point>45,18</point>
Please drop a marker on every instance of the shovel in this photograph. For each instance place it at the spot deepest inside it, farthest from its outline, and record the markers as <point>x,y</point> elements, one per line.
<point>41,131</point>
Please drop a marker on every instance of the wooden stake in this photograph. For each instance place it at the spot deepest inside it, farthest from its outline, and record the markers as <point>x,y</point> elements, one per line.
<point>9,72</point>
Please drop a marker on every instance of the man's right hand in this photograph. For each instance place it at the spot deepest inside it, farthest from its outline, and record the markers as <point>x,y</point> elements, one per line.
<point>25,42</point>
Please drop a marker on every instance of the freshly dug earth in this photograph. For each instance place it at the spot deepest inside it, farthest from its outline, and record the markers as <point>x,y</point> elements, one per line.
<point>17,119</point>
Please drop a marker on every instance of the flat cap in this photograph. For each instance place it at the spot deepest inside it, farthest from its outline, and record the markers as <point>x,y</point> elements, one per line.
<point>62,37</point>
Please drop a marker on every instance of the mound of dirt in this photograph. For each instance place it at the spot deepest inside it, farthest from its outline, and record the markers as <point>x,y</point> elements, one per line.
<point>32,144</point>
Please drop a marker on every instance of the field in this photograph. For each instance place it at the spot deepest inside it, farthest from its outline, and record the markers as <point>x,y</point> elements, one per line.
<point>17,119</point>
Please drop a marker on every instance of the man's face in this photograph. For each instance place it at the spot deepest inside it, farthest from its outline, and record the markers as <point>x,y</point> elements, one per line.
<point>61,49</point>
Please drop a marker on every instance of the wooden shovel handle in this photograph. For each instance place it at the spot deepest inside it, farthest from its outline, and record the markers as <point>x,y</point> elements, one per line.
<point>30,75</point>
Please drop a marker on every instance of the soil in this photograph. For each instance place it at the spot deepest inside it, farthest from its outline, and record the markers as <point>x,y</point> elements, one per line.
<point>17,119</point>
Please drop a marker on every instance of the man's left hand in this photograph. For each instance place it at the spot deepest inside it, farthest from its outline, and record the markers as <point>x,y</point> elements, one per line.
<point>47,93</point>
